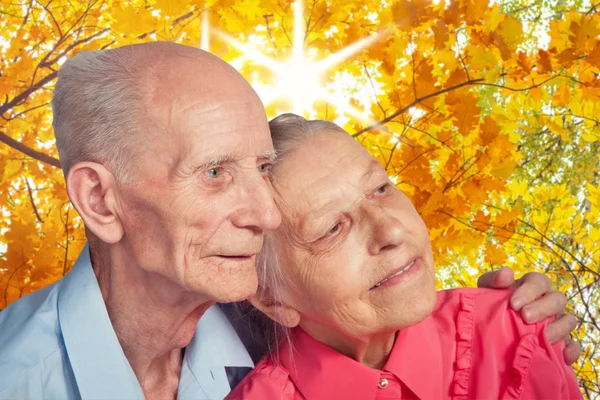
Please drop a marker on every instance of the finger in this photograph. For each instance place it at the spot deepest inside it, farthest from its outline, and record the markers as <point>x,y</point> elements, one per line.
<point>553,303</point>
<point>499,279</point>
<point>571,352</point>
<point>561,328</point>
<point>531,286</point>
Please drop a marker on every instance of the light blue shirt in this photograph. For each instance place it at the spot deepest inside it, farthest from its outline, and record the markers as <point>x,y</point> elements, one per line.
<point>58,343</point>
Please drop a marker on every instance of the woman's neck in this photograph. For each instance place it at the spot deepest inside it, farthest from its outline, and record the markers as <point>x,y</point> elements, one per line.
<point>372,351</point>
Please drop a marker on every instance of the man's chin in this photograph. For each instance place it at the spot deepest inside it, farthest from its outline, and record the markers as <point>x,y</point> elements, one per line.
<point>225,281</point>
<point>231,293</point>
<point>236,298</point>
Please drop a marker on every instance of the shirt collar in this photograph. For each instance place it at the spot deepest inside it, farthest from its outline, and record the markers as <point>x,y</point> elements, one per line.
<point>416,359</point>
<point>321,372</point>
<point>215,346</point>
<point>96,357</point>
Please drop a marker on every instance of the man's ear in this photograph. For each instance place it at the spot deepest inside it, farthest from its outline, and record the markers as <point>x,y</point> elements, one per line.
<point>93,192</point>
<point>274,309</point>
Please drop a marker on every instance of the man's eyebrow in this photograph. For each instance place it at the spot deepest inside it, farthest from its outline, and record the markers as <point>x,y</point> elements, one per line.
<point>270,155</point>
<point>213,162</point>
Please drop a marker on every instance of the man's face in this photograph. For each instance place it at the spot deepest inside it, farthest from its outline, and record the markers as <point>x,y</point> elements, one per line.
<point>202,203</point>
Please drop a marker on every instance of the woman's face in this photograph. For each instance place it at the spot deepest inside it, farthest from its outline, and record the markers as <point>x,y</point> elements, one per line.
<point>355,250</point>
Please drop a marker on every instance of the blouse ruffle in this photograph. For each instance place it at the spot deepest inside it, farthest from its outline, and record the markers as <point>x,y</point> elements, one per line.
<point>526,349</point>
<point>521,364</point>
<point>464,332</point>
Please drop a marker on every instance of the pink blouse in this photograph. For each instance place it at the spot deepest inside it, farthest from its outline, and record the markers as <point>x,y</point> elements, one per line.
<point>473,346</point>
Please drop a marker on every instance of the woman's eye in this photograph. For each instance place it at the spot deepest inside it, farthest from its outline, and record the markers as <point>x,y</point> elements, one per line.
<point>213,172</point>
<point>382,189</point>
<point>334,230</point>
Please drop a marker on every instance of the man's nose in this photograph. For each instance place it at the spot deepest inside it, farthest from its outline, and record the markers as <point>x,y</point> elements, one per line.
<point>386,231</point>
<point>258,211</point>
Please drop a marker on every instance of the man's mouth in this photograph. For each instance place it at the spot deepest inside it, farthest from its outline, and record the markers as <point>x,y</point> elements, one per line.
<point>238,257</point>
<point>395,274</point>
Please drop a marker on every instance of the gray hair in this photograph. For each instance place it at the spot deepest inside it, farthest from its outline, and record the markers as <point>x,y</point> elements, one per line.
<point>97,106</point>
<point>288,131</point>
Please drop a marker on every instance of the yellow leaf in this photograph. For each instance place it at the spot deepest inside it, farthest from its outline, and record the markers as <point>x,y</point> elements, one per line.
<point>133,20</point>
<point>588,137</point>
<point>511,30</point>
<point>409,14</point>
<point>172,8</point>
<point>495,254</point>
<point>557,129</point>
<point>483,58</point>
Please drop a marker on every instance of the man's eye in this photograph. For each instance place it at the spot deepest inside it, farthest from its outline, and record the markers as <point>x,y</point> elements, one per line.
<point>213,172</point>
<point>264,168</point>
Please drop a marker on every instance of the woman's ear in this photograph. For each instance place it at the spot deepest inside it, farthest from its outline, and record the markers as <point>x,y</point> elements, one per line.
<point>93,192</point>
<point>274,309</point>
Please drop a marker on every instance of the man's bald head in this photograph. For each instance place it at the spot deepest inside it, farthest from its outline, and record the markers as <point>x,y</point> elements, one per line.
<point>105,101</point>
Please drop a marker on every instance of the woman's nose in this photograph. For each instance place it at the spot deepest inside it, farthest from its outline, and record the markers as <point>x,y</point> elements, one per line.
<point>387,231</point>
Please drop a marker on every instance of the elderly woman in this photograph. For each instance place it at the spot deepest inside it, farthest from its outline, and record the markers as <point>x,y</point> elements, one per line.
<point>350,275</point>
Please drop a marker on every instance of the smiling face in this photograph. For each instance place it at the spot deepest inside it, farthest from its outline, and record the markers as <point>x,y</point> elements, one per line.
<point>202,203</point>
<point>354,249</point>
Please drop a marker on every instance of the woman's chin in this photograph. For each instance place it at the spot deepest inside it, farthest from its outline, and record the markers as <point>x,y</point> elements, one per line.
<point>412,305</point>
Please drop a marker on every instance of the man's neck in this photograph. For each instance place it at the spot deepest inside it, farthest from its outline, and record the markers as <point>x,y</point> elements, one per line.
<point>153,318</point>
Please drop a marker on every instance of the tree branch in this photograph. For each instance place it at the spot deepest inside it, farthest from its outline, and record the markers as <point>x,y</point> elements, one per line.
<point>26,111</point>
<point>45,158</point>
<point>266,17</point>
<point>470,82</point>
<point>66,261</point>
<point>21,97</point>
<point>414,103</point>
<point>35,210</point>
<point>56,24</point>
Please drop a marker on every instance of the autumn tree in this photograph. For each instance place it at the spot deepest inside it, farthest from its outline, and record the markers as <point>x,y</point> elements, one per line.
<point>485,115</point>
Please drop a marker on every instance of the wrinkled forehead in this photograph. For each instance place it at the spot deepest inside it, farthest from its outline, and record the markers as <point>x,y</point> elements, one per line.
<point>198,110</point>
<point>324,170</point>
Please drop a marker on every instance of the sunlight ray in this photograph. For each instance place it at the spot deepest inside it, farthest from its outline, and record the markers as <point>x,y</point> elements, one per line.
<point>205,44</point>
<point>299,79</point>
<point>348,51</point>
<point>298,45</point>
<point>348,108</point>
<point>249,52</point>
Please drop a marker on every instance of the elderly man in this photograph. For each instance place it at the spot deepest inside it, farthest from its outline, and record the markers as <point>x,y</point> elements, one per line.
<point>166,153</point>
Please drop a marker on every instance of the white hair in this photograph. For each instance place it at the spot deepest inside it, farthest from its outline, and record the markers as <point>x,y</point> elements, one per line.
<point>288,131</point>
<point>97,107</point>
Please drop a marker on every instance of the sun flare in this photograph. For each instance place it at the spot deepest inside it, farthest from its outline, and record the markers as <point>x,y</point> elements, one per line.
<point>300,80</point>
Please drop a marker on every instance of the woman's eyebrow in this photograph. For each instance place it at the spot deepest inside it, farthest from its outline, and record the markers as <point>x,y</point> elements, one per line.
<point>322,207</point>
<point>373,165</point>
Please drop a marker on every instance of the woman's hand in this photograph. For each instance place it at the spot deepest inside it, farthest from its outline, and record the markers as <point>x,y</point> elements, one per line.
<point>536,300</point>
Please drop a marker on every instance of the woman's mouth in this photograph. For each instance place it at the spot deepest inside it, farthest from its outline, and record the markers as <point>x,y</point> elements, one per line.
<point>399,275</point>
